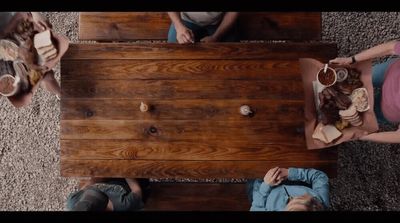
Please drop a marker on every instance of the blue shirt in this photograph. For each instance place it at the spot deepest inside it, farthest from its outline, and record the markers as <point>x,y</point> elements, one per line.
<point>274,198</point>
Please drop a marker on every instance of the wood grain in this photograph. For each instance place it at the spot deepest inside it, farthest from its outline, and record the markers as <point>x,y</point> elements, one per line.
<point>197,197</point>
<point>183,89</point>
<point>226,150</point>
<point>295,26</point>
<point>183,169</point>
<point>122,26</point>
<point>220,110</point>
<point>193,131</point>
<point>202,51</point>
<point>180,69</point>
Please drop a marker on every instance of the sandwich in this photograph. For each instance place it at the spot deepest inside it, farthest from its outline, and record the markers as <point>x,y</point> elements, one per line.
<point>42,39</point>
<point>45,48</point>
<point>326,133</point>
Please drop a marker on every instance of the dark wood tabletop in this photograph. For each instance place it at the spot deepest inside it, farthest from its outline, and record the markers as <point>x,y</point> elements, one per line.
<point>193,128</point>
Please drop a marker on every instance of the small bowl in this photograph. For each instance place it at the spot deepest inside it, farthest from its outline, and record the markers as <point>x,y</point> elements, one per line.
<point>15,87</point>
<point>341,74</point>
<point>327,79</point>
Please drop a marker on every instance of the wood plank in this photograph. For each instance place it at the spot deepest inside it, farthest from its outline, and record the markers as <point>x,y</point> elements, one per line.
<point>193,131</point>
<point>144,150</point>
<point>183,89</point>
<point>220,110</point>
<point>197,197</point>
<point>280,26</point>
<point>122,26</point>
<point>180,69</point>
<point>183,169</point>
<point>203,51</point>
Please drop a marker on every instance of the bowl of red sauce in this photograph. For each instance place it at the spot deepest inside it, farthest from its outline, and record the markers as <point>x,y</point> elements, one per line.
<point>327,78</point>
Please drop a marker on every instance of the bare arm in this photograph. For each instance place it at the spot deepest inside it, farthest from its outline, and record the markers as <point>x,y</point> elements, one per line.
<point>134,185</point>
<point>183,34</point>
<point>226,24</point>
<point>383,137</point>
<point>176,19</point>
<point>381,50</point>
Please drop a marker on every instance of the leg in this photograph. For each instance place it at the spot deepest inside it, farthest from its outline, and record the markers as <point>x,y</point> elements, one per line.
<point>197,31</point>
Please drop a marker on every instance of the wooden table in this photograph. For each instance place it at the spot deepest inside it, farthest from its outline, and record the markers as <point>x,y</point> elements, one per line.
<point>194,128</point>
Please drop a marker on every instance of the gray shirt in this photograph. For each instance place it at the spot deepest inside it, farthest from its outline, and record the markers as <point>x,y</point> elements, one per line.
<point>203,18</point>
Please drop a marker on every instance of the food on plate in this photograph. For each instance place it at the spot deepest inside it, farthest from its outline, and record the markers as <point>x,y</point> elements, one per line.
<point>326,133</point>
<point>7,87</point>
<point>359,97</point>
<point>34,77</point>
<point>327,78</point>
<point>24,30</point>
<point>351,115</point>
<point>8,50</point>
<point>331,101</point>
<point>341,74</point>
<point>329,113</point>
<point>44,47</point>
<point>350,83</point>
<point>342,124</point>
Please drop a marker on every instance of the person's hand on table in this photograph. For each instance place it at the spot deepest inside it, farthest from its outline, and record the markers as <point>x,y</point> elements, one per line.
<point>273,176</point>
<point>341,61</point>
<point>209,39</point>
<point>184,35</point>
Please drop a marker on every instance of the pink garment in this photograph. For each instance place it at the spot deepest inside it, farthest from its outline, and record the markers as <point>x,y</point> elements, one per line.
<point>391,91</point>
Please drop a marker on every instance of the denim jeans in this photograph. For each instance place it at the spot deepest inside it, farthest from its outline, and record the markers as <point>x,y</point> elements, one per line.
<point>201,32</point>
<point>122,198</point>
<point>378,77</point>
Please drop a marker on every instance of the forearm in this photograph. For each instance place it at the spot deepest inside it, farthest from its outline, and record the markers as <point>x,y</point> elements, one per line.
<point>176,19</point>
<point>381,50</point>
<point>134,186</point>
<point>319,181</point>
<point>383,137</point>
<point>227,23</point>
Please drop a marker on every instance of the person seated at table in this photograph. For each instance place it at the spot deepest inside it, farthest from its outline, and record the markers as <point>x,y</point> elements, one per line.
<point>190,27</point>
<point>293,189</point>
<point>386,82</point>
<point>109,194</point>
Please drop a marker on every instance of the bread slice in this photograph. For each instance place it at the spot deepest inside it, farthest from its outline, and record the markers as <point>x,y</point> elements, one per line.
<point>42,39</point>
<point>331,133</point>
<point>357,123</point>
<point>45,49</point>
<point>50,53</point>
<point>350,112</point>
<point>318,133</point>
<point>51,57</point>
